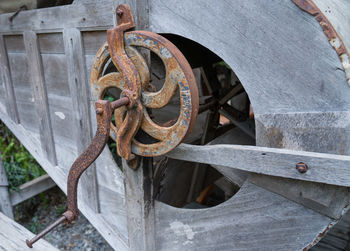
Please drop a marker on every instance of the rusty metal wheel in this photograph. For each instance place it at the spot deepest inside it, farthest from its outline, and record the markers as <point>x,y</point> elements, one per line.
<point>179,76</point>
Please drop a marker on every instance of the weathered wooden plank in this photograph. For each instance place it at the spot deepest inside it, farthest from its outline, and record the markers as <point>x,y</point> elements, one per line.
<point>90,16</point>
<point>325,199</point>
<point>253,219</point>
<point>113,232</point>
<point>10,98</point>
<point>337,13</point>
<point>27,108</point>
<point>14,44</point>
<point>13,236</point>
<point>139,197</point>
<point>142,14</point>
<point>237,137</point>
<point>55,72</point>
<point>51,43</point>
<point>19,69</point>
<point>62,117</point>
<point>40,95</point>
<point>139,206</point>
<point>92,41</point>
<point>5,202</point>
<point>79,89</point>
<point>262,34</point>
<point>32,188</point>
<point>323,168</point>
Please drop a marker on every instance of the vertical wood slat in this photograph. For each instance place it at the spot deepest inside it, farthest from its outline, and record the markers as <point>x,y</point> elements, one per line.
<point>5,202</point>
<point>80,94</point>
<point>142,14</point>
<point>140,205</point>
<point>138,183</point>
<point>10,99</point>
<point>35,67</point>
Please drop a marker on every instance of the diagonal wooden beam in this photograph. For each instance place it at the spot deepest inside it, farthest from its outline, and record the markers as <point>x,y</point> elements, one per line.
<point>10,99</point>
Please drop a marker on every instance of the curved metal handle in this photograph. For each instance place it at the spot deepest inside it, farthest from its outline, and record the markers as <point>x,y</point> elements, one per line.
<point>104,111</point>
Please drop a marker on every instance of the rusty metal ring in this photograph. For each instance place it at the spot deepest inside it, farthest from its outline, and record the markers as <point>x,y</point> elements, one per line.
<point>179,75</point>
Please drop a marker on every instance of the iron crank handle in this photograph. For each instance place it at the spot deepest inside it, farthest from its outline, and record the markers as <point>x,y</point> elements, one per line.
<point>104,112</point>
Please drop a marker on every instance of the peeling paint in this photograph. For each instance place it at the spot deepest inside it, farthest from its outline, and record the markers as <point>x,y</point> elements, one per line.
<point>181,229</point>
<point>60,115</point>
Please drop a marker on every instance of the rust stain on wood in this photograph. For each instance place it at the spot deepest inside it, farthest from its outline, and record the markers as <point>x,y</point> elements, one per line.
<point>334,39</point>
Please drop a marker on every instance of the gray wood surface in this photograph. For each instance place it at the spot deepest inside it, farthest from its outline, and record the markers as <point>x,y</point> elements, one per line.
<point>13,236</point>
<point>324,199</point>
<point>111,223</point>
<point>79,90</point>
<point>252,37</point>
<point>89,16</point>
<point>40,95</point>
<point>5,202</point>
<point>140,205</point>
<point>230,225</point>
<point>323,168</point>
<point>10,98</point>
<point>31,188</point>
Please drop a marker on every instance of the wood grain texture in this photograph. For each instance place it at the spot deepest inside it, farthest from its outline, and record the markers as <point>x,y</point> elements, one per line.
<point>79,90</point>
<point>40,95</point>
<point>13,236</point>
<point>5,202</point>
<point>6,80</point>
<point>244,222</point>
<point>112,228</point>
<point>323,168</point>
<point>140,205</point>
<point>89,16</point>
<point>253,37</point>
<point>338,238</point>
<point>32,188</point>
<point>324,199</point>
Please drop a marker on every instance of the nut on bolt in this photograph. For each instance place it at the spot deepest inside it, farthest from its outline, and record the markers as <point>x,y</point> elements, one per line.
<point>119,13</point>
<point>301,167</point>
<point>99,111</point>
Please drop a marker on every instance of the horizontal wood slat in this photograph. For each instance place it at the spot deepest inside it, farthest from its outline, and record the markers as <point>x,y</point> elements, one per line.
<point>32,188</point>
<point>323,168</point>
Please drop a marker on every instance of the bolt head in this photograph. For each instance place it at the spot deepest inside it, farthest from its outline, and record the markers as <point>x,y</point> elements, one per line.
<point>119,13</point>
<point>99,111</point>
<point>301,167</point>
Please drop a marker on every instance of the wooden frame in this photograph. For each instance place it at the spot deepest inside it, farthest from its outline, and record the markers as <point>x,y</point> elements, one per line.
<point>286,65</point>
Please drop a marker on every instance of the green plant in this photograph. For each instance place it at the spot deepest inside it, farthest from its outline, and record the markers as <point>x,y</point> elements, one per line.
<point>19,164</point>
<point>35,225</point>
<point>60,209</point>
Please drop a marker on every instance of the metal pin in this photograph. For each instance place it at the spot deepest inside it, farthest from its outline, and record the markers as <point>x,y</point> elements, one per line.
<point>45,231</point>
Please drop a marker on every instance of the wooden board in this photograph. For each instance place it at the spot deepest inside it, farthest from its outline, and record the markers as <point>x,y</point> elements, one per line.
<point>13,236</point>
<point>230,225</point>
<point>278,52</point>
<point>31,188</point>
<point>40,95</point>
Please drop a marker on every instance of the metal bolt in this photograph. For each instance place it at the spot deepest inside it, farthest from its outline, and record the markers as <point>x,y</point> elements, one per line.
<point>99,111</point>
<point>301,167</point>
<point>119,13</point>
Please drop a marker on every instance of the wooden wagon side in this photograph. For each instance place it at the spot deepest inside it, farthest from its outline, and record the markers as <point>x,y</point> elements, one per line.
<point>294,79</point>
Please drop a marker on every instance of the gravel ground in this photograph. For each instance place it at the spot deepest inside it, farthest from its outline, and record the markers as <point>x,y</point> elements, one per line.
<point>36,213</point>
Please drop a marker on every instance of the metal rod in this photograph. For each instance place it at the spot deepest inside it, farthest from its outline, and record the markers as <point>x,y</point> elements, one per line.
<point>120,102</point>
<point>45,231</point>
